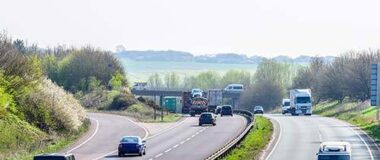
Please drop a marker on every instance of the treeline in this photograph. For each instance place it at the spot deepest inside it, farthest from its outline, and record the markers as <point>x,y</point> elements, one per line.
<point>32,108</point>
<point>348,76</point>
<point>271,82</point>
<point>204,80</point>
<point>266,87</point>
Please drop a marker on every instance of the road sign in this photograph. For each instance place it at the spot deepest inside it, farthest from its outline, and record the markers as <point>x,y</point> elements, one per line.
<point>375,91</point>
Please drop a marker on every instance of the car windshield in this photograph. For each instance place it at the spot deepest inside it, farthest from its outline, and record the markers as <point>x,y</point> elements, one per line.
<point>130,140</point>
<point>206,116</point>
<point>303,100</point>
<point>287,104</point>
<point>333,157</point>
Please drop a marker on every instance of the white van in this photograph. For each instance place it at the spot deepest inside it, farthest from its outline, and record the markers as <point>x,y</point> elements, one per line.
<point>234,88</point>
<point>334,151</point>
<point>285,106</point>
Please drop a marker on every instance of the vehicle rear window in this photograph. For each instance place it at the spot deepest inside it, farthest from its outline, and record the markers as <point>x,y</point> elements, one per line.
<point>226,108</point>
<point>206,116</point>
<point>49,158</point>
<point>333,157</point>
<point>287,104</point>
<point>130,140</point>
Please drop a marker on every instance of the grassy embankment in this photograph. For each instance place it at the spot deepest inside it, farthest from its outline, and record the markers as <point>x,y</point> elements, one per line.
<point>143,113</point>
<point>356,113</point>
<point>26,151</point>
<point>254,142</point>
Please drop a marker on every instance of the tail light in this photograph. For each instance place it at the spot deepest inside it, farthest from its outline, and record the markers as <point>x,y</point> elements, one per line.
<point>120,145</point>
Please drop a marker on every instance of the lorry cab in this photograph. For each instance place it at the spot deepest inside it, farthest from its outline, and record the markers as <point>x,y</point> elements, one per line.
<point>300,102</point>
<point>196,92</point>
<point>285,106</point>
<point>334,151</point>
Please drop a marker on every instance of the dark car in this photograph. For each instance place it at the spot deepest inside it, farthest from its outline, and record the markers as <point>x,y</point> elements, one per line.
<point>54,156</point>
<point>207,118</point>
<point>131,145</point>
<point>258,110</point>
<point>226,110</point>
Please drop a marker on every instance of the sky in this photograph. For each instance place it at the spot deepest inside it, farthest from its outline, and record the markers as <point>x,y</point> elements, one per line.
<point>253,27</point>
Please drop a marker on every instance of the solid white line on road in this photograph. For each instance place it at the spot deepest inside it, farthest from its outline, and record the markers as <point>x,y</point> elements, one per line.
<point>365,143</point>
<point>143,127</point>
<point>175,146</point>
<point>89,138</point>
<point>193,135</point>
<point>187,139</point>
<point>168,150</point>
<point>182,142</point>
<point>158,155</point>
<point>278,140</point>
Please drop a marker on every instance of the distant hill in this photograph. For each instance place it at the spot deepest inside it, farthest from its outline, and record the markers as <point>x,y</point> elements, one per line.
<point>233,58</point>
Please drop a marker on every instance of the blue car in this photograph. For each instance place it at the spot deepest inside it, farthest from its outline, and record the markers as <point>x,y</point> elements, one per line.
<point>131,145</point>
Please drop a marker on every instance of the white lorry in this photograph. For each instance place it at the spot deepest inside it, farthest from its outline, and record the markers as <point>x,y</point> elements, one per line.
<point>285,106</point>
<point>215,98</point>
<point>300,102</point>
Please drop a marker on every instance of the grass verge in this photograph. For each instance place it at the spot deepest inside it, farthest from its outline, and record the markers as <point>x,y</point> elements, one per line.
<point>58,143</point>
<point>144,113</point>
<point>254,142</point>
<point>360,114</point>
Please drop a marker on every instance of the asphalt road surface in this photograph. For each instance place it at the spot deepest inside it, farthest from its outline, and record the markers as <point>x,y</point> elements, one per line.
<point>300,137</point>
<point>185,141</point>
<point>104,136</point>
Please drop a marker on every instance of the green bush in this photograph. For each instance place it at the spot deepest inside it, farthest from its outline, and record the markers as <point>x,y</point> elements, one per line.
<point>122,102</point>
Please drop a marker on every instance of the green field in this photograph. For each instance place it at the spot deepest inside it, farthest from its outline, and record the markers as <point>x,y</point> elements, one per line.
<point>141,70</point>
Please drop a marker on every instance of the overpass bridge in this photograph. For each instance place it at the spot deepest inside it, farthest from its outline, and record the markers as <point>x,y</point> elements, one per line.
<point>234,96</point>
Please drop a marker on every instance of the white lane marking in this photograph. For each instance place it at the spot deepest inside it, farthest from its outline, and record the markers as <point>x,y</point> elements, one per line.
<point>187,139</point>
<point>89,138</point>
<point>192,136</point>
<point>158,155</point>
<point>143,127</point>
<point>114,151</point>
<point>168,150</point>
<point>164,131</point>
<point>150,159</point>
<point>278,140</point>
<point>182,142</point>
<point>365,143</point>
<point>175,146</point>
<point>320,133</point>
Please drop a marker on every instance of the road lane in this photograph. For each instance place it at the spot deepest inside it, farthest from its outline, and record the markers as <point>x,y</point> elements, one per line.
<point>190,141</point>
<point>106,137</point>
<point>302,135</point>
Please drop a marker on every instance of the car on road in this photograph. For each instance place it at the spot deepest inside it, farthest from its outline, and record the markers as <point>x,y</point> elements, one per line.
<point>218,109</point>
<point>226,110</point>
<point>131,145</point>
<point>258,110</point>
<point>54,156</point>
<point>207,118</point>
<point>234,88</point>
<point>285,106</point>
<point>334,151</point>
<point>196,92</point>
<point>139,86</point>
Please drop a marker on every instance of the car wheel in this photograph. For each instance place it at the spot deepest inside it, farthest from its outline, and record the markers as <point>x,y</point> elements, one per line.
<point>214,124</point>
<point>200,124</point>
<point>120,154</point>
<point>144,153</point>
<point>141,153</point>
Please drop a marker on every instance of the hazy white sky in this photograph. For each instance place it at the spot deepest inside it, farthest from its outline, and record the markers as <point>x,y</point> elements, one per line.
<point>253,27</point>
